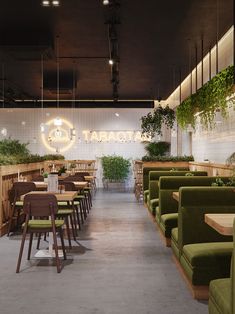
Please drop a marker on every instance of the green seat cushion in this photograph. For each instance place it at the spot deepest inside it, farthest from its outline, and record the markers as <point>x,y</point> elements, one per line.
<point>64,211</point>
<point>88,188</point>
<point>39,223</point>
<point>146,193</point>
<point>154,202</point>
<point>220,296</point>
<point>63,204</point>
<point>79,197</point>
<point>19,203</point>
<point>168,222</point>
<point>174,234</point>
<point>208,254</point>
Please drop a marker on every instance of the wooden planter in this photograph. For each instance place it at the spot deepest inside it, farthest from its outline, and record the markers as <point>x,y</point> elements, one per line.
<point>8,175</point>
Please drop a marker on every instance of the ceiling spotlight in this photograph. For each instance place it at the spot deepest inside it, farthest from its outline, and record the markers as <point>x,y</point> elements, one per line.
<point>111,62</point>
<point>46,3</point>
<point>56,3</point>
<point>105,2</point>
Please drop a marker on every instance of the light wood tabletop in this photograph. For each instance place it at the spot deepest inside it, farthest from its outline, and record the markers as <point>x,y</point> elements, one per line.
<point>65,196</point>
<point>176,196</point>
<point>78,184</point>
<point>222,223</point>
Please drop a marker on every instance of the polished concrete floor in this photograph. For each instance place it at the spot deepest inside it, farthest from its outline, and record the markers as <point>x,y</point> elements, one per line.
<point>118,266</point>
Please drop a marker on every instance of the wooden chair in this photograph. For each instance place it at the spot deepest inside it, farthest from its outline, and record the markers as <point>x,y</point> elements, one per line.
<point>38,207</point>
<point>18,189</point>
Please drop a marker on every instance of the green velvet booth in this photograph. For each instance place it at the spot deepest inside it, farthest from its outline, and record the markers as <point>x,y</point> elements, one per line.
<point>222,291</point>
<point>153,191</point>
<point>146,171</point>
<point>202,252</point>
<point>167,211</point>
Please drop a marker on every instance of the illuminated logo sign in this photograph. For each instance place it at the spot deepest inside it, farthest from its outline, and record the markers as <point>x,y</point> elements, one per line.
<point>115,136</point>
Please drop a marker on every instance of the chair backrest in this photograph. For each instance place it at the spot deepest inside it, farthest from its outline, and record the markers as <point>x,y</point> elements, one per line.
<point>39,178</point>
<point>20,188</point>
<point>69,186</point>
<point>74,178</point>
<point>40,205</point>
<point>82,174</point>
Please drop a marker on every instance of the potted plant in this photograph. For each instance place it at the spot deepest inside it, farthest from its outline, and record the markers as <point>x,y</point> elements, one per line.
<point>115,170</point>
<point>152,123</point>
<point>157,148</point>
<point>45,176</point>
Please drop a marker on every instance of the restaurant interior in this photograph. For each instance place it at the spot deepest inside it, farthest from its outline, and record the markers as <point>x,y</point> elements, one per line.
<point>117,156</point>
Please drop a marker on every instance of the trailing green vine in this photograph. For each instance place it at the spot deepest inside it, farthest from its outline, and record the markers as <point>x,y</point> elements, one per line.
<point>152,123</point>
<point>211,97</point>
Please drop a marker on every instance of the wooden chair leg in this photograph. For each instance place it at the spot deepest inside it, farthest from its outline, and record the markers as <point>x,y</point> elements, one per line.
<point>73,225</point>
<point>77,215</point>
<point>10,220</point>
<point>81,213</point>
<point>38,242</point>
<point>30,245</point>
<point>21,249</point>
<point>62,243</point>
<point>68,231</point>
<point>58,265</point>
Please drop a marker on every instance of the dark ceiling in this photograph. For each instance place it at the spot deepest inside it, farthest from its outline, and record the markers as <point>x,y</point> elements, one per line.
<point>152,41</point>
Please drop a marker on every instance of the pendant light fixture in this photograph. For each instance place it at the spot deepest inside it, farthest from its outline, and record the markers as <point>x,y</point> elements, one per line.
<point>72,130</point>
<point>57,120</point>
<point>3,130</point>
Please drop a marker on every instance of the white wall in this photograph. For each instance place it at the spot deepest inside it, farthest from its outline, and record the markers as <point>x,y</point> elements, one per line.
<point>83,119</point>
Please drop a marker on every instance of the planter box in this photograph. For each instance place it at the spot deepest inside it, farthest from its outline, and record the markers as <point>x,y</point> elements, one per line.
<point>8,175</point>
<point>118,186</point>
<point>172,164</point>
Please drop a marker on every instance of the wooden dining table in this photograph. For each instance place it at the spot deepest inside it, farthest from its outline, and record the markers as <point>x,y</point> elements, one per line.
<point>78,184</point>
<point>222,223</point>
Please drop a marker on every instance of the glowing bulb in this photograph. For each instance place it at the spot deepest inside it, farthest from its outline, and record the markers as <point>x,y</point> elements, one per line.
<point>111,62</point>
<point>4,132</point>
<point>56,3</point>
<point>57,121</point>
<point>117,114</point>
<point>45,3</point>
<point>105,2</point>
<point>23,123</point>
<point>42,127</point>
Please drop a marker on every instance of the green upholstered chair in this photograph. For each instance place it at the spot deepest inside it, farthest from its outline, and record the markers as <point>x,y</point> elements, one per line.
<point>222,291</point>
<point>37,207</point>
<point>202,252</point>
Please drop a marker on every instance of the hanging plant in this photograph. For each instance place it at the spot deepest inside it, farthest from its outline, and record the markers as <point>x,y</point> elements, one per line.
<point>152,123</point>
<point>211,97</point>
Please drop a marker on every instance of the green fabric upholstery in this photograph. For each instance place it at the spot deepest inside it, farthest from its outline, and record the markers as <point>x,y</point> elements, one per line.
<point>146,193</point>
<point>146,171</point>
<point>222,291</point>
<point>168,185</point>
<point>174,242</point>
<point>204,254</point>
<point>220,296</point>
<point>203,262</point>
<point>153,204</point>
<point>19,203</point>
<point>64,212</point>
<point>168,222</point>
<point>37,223</point>
<point>157,214</point>
<point>79,197</point>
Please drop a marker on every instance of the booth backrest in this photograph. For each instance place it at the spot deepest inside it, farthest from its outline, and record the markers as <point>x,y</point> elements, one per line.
<point>168,185</point>
<point>194,203</point>
<point>146,171</point>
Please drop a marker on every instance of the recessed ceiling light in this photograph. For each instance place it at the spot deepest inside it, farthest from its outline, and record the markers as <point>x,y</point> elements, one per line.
<point>45,3</point>
<point>105,2</point>
<point>111,62</point>
<point>56,3</point>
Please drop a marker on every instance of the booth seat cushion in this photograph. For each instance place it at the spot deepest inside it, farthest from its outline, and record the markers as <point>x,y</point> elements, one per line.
<point>203,262</point>
<point>153,204</point>
<point>146,193</point>
<point>220,296</point>
<point>43,223</point>
<point>158,215</point>
<point>174,242</point>
<point>168,222</point>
